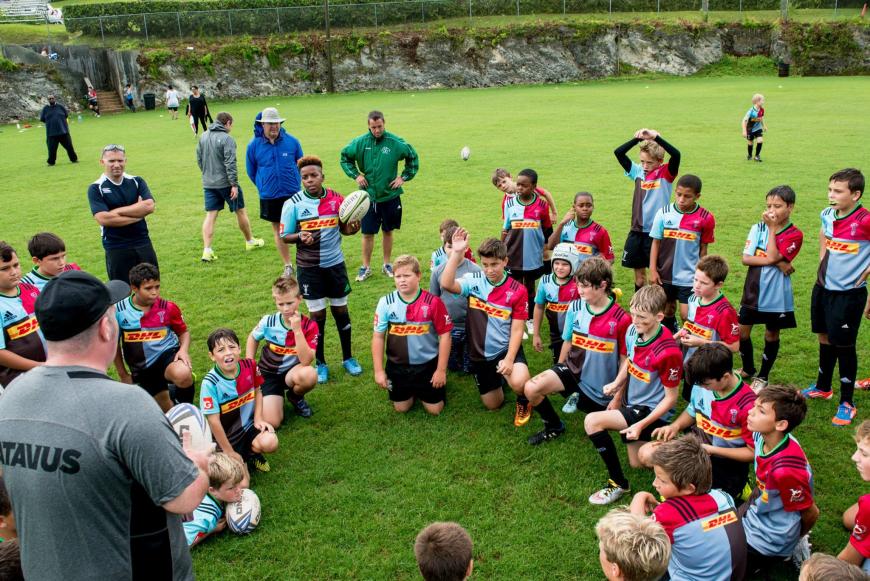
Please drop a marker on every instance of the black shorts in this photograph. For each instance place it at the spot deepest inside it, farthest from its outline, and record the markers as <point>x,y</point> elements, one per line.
<point>244,447</point>
<point>119,261</point>
<point>677,293</point>
<point>215,198</point>
<point>274,383</point>
<point>570,382</point>
<point>153,378</point>
<point>637,249</point>
<point>730,476</point>
<point>414,381</point>
<point>386,215</point>
<point>636,413</point>
<point>485,375</point>
<point>771,321</point>
<point>838,314</point>
<point>270,210</point>
<point>755,135</point>
<point>173,108</point>
<point>317,282</point>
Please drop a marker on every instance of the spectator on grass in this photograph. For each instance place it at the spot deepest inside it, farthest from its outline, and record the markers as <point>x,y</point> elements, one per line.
<point>171,96</point>
<point>444,552</point>
<point>55,116</point>
<point>197,110</point>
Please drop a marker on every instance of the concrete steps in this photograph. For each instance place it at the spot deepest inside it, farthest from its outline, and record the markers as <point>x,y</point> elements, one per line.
<point>110,102</point>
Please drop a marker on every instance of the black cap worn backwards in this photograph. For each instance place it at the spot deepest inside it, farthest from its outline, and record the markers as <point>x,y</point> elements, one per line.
<point>73,301</point>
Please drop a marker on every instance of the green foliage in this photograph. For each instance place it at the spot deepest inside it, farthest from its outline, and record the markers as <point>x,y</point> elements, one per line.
<point>191,63</point>
<point>824,49</point>
<point>7,66</point>
<point>733,66</point>
<point>276,50</point>
<point>153,59</point>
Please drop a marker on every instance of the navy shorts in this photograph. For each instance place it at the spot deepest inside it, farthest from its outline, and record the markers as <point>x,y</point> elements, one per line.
<point>383,215</point>
<point>771,321</point>
<point>153,378</point>
<point>677,293</point>
<point>636,413</point>
<point>270,209</point>
<point>215,198</point>
<point>838,314</point>
<point>486,375</point>
<point>318,282</point>
<point>414,381</point>
<point>755,135</point>
<point>637,249</point>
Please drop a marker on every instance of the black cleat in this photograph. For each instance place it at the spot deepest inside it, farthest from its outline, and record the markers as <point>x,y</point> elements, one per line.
<point>547,434</point>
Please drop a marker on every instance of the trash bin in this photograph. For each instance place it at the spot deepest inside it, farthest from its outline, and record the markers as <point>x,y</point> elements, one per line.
<point>149,99</point>
<point>783,69</point>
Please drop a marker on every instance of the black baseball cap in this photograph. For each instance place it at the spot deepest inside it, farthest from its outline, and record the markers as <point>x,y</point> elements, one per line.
<point>73,301</point>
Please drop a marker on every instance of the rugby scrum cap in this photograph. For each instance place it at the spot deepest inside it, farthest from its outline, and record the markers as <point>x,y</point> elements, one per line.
<point>270,115</point>
<point>73,301</point>
<point>567,252</point>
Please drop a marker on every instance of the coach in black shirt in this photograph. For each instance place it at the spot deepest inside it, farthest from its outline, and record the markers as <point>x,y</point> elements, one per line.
<point>54,116</point>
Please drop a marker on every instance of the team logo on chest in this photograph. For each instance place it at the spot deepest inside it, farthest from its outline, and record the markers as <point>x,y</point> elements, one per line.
<point>509,294</point>
<point>612,326</point>
<point>161,316</point>
<point>854,228</point>
<point>733,416</point>
<point>304,289</point>
<point>425,309</point>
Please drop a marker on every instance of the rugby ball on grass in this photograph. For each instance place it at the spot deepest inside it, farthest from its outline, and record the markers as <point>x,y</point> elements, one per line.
<point>465,153</point>
<point>244,516</point>
<point>186,417</point>
<point>354,207</point>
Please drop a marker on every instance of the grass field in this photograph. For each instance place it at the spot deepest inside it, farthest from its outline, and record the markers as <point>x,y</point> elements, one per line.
<point>350,488</point>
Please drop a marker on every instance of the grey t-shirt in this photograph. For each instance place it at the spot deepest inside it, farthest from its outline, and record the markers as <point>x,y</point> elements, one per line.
<point>88,463</point>
<point>457,305</point>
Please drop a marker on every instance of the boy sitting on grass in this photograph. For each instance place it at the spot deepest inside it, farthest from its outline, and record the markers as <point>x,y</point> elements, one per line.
<point>48,253</point>
<point>226,480</point>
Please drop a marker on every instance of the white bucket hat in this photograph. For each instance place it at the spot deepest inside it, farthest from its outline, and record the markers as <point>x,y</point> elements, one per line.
<point>270,115</point>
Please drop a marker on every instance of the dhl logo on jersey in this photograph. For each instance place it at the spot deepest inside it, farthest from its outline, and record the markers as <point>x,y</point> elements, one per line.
<point>637,372</point>
<point>591,344</point>
<point>238,402</point>
<point>491,310</point>
<point>583,248</point>
<point>763,489</point>
<point>842,247</point>
<point>698,330</point>
<point>760,252</point>
<point>714,429</point>
<point>23,329</point>
<point>282,349</point>
<point>144,336</point>
<point>409,329</point>
<point>525,224</point>
<point>319,224</point>
<point>680,235</point>
<point>558,307</point>
<point>720,520</point>
<point>651,185</point>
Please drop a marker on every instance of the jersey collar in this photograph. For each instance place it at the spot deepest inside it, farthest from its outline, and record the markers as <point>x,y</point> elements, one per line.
<point>651,339</point>
<point>221,373</point>
<point>320,197</point>
<point>417,296</point>
<point>703,304</point>
<point>36,273</point>
<point>602,311</point>
<point>855,209</point>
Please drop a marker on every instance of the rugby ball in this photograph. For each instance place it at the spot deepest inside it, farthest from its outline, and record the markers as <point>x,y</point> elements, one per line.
<point>244,516</point>
<point>354,207</point>
<point>465,153</point>
<point>186,417</point>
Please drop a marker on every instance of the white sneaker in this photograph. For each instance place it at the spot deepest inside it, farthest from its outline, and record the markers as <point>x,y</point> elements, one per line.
<point>530,328</point>
<point>610,493</point>
<point>570,406</point>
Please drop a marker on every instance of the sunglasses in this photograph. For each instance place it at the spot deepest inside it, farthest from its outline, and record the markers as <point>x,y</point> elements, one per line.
<point>114,147</point>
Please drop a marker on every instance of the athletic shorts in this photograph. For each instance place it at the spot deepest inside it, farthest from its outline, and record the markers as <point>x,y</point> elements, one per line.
<point>274,383</point>
<point>485,375</point>
<point>637,249</point>
<point>317,283</point>
<point>119,261</point>
<point>838,313</point>
<point>755,135</point>
<point>414,381</point>
<point>153,378</point>
<point>677,293</point>
<point>570,382</point>
<point>173,108</point>
<point>215,198</point>
<point>270,209</point>
<point>771,321</point>
<point>244,447</point>
<point>636,413</point>
<point>383,215</point>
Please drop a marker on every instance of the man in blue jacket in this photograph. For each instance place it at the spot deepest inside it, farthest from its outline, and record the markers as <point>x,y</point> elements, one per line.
<point>271,165</point>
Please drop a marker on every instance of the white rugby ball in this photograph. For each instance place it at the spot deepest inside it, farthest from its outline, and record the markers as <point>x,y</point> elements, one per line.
<point>244,516</point>
<point>465,153</point>
<point>186,417</point>
<point>354,207</point>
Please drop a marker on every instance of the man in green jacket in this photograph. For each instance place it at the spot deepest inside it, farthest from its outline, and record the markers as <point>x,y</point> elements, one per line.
<point>373,160</point>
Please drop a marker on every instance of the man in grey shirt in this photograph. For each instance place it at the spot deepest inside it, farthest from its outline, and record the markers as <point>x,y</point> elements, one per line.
<point>98,478</point>
<point>216,156</point>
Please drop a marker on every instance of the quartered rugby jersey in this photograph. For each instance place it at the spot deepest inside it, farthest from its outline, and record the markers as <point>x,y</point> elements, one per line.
<point>39,281</point>
<point>714,321</point>
<point>723,419</point>
<point>653,365</point>
<point>525,224</point>
<point>232,397</point>
<point>412,328</point>
<point>590,240</point>
<point>319,217</point>
<point>597,343</point>
<point>681,235</point>
<point>21,334</point>
<point>860,538</point>
<point>279,353</point>
<point>203,520</point>
<point>784,487</point>
<point>652,192</point>
<point>753,119</point>
<point>766,288</point>
<point>147,336</point>
<point>707,541</point>
<point>555,298</point>
<point>491,310</point>
<point>847,248</point>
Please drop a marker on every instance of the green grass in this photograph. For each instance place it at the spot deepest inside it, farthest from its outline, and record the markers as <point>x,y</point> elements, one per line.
<point>351,487</point>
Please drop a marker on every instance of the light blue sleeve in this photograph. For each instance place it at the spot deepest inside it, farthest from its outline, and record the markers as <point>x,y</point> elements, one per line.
<point>635,171</point>
<point>751,241</point>
<point>465,284</point>
<point>208,400</point>
<point>203,521</point>
<point>691,409</point>
<point>288,219</point>
<point>381,316</point>
<point>657,230</point>
<point>541,295</point>
<point>568,329</point>
<point>259,332</point>
<point>507,219</point>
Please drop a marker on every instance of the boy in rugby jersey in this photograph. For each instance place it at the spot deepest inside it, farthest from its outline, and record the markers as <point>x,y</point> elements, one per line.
<point>840,293</point>
<point>309,219</point>
<point>22,346</point>
<point>555,293</point>
<point>226,480</point>
<point>441,255</point>
<point>857,517</point>
<point>457,305</point>
<point>822,567</point>
<point>632,547</point>
<point>48,253</point>
<point>644,391</point>
<point>154,341</point>
<point>413,327</point>
<point>577,227</point>
<point>754,127</point>
<point>717,413</point>
<point>781,510</point>
<point>527,226</point>
<point>285,362</point>
<point>653,182</point>
<point>592,351</point>
<point>707,541</point>
<point>501,179</point>
<point>231,400</point>
<point>497,310</point>
<point>768,299</point>
<point>680,234</point>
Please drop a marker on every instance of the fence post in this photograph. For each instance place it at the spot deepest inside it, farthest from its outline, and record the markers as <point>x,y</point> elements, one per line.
<point>102,34</point>
<point>740,8</point>
<point>376,15</point>
<point>563,8</point>
<point>469,12</point>
<point>610,7</point>
<point>783,10</point>
<point>178,22</point>
<point>230,21</point>
<point>658,6</point>
<point>518,7</point>
<point>835,8</point>
<point>278,18</point>
<point>705,8</point>
<point>145,25</point>
<point>422,10</point>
